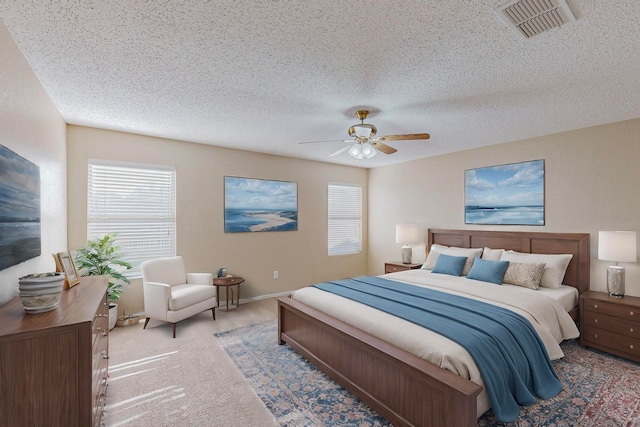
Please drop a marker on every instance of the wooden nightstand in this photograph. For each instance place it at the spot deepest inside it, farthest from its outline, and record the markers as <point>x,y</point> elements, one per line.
<point>392,267</point>
<point>610,324</point>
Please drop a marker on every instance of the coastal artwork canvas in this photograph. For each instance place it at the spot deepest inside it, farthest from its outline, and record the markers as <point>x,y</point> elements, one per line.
<point>252,205</point>
<point>510,194</point>
<point>19,209</point>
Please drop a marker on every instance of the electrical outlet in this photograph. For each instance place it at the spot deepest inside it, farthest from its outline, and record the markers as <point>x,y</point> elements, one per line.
<point>275,274</point>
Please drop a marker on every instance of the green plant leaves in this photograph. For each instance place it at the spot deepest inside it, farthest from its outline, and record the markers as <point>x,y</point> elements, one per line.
<point>102,257</point>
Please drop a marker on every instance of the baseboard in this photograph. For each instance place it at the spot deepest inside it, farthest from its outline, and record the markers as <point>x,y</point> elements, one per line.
<point>259,297</point>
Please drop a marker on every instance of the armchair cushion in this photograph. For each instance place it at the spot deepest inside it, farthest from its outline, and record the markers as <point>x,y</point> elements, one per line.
<point>200,278</point>
<point>188,294</point>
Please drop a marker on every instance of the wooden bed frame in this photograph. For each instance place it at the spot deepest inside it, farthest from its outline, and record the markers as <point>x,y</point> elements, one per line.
<point>401,387</point>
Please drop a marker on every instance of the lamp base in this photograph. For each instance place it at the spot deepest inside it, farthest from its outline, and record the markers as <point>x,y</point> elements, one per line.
<point>406,254</point>
<point>615,281</point>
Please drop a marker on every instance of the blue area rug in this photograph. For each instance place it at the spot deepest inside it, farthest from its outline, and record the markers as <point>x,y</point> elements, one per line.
<point>598,389</point>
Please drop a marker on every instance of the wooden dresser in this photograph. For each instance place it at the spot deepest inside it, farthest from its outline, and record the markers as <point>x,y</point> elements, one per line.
<point>53,365</point>
<point>610,324</point>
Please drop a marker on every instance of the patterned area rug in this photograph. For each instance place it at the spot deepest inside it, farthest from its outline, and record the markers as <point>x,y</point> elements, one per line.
<point>599,390</point>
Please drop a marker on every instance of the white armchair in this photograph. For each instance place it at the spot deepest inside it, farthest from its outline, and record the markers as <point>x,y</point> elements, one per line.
<point>171,294</point>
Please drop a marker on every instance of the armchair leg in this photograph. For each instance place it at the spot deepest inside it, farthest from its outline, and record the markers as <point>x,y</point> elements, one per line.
<point>145,323</point>
<point>174,330</point>
<point>213,310</point>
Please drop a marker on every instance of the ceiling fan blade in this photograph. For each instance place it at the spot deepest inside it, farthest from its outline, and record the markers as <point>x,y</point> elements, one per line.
<point>384,148</point>
<point>340,151</point>
<point>406,137</point>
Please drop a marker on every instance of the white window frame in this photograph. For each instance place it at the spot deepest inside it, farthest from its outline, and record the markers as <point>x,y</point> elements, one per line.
<point>344,219</point>
<point>136,201</point>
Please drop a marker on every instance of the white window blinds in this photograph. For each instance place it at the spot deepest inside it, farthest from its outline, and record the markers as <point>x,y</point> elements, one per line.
<point>137,202</point>
<point>345,219</point>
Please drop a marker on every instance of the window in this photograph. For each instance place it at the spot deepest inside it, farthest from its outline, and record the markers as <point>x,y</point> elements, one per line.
<point>345,219</point>
<point>138,202</point>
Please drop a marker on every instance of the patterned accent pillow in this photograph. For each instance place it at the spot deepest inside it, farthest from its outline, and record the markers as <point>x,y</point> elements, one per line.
<point>470,253</point>
<point>554,269</point>
<point>430,261</point>
<point>523,274</point>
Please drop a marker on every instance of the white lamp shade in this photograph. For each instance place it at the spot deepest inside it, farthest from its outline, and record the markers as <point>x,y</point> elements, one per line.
<point>362,131</point>
<point>368,150</point>
<point>356,151</point>
<point>408,233</point>
<point>618,246</point>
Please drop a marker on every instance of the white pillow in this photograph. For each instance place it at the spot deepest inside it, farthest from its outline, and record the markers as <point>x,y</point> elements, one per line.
<point>436,249</point>
<point>554,269</point>
<point>492,254</point>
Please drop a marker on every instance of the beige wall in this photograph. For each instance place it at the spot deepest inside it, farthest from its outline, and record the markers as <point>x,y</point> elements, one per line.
<point>591,184</point>
<point>32,127</point>
<point>300,257</point>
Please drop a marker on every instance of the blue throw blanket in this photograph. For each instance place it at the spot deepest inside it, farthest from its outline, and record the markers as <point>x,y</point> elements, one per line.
<point>509,353</point>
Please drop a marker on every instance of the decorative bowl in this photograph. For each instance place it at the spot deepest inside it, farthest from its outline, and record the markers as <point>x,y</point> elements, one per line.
<point>40,292</point>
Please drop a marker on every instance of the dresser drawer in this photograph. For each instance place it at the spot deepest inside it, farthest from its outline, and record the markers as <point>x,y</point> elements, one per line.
<point>606,340</point>
<point>100,360</point>
<point>617,310</point>
<point>630,328</point>
<point>392,267</point>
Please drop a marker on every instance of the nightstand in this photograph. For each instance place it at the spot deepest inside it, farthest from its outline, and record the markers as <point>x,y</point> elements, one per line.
<point>392,267</point>
<point>610,324</point>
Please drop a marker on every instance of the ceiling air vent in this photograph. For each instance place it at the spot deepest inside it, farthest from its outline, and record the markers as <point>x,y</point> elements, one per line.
<point>532,17</point>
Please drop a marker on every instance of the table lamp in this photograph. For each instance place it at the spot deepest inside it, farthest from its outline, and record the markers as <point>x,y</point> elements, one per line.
<point>407,234</point>
<point>617,246</point>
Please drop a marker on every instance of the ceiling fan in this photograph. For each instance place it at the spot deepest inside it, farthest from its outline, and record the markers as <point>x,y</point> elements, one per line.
<point>365,144</point>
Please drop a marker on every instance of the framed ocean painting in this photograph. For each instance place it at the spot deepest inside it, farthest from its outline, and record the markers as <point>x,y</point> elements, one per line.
<point>511,194</point>
<point>19,209</point>
<point>253,205</point>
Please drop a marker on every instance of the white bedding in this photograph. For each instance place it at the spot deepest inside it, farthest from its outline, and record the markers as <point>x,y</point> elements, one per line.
<point>548,317</point>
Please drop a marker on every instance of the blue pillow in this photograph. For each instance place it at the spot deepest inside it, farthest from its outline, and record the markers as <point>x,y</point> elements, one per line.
<point>488,271</point>
<point>449,264</point>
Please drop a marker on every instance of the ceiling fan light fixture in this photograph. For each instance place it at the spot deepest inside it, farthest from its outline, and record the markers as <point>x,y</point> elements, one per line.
<point>368,150</point>
<point>356,151</point>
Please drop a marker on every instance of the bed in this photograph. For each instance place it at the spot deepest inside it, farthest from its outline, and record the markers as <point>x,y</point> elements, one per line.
<point>402,387</point>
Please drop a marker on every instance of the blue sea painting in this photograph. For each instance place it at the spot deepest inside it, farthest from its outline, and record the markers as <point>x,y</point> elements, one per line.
<point>19,209</point>
<point>252,205</point>
<point>507,194</point>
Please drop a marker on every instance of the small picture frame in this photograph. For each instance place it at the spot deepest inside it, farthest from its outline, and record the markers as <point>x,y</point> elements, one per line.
<point>64,263</point>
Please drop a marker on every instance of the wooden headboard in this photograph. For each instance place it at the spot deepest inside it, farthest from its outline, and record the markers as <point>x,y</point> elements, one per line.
<point>577,244</point>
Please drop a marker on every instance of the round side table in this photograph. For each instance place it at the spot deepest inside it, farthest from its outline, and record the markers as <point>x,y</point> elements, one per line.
<point>227,283</point>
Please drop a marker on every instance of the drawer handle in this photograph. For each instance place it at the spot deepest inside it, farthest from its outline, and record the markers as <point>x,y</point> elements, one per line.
<point>595,305</point>
<point>631,313</point>
<point>631,346</point>
<point>595,321</point>
<point>595,335</point>
<point>630,329</point>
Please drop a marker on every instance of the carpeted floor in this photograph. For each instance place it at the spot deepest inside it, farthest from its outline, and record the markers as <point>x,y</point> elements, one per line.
<point>599,390</point>
<point>158,381</point>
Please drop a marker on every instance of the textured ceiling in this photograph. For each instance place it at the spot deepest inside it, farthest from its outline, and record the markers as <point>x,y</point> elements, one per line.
<point>265,75</point>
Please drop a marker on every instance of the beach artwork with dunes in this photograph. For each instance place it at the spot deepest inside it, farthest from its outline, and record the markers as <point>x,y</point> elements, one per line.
<point>253,205</point>
<point>511,194</point>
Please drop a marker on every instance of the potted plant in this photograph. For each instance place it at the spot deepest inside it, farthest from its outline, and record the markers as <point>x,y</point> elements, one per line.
<point>99,257</point>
